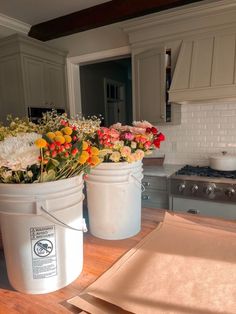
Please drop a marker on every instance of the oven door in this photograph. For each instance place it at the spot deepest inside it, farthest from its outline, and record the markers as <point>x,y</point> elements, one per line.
<point>202,207</point>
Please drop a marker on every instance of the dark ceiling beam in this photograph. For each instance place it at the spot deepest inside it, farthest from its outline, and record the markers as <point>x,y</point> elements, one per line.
<point>100,15</point>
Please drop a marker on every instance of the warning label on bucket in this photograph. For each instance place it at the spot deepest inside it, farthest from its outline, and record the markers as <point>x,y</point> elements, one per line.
<point>43,247</point>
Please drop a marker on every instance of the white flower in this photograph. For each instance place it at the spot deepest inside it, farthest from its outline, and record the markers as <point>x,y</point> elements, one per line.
<point>19,152</point>
<point>142,124</point>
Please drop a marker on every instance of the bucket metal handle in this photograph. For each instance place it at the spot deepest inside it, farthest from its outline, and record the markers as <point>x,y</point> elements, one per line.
<point>137,180</point>
<point>83,228</point>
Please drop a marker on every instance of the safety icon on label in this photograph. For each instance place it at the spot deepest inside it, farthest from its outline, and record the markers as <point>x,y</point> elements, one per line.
<point>43,248</point>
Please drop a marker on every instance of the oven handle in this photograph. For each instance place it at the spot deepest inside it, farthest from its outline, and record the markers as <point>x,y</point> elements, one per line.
<point>193,211</point>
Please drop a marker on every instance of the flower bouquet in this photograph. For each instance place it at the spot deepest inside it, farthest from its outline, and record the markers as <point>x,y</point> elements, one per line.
<point>120,143</point>
<point>114,186</point>
<point>52,150</point>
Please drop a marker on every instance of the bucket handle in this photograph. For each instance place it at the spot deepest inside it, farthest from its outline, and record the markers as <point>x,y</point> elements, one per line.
<point>83,228</point>
<point>142,186</point>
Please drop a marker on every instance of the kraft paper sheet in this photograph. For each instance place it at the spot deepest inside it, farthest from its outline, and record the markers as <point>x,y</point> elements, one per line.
<point>180,267</point>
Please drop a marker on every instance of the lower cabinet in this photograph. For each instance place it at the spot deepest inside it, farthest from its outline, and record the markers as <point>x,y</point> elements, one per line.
<point>156,192</point>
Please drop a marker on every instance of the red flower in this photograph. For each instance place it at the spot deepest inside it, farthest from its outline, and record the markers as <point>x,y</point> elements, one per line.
<point>156,142</point>
<point>74,151</point>
<point>149,130</point>
<point>161,137</point>
<point>154,130</point>
<point>54,154</point>
<point>52,146</point>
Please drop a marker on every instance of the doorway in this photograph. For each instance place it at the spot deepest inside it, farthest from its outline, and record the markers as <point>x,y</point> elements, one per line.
<point>106,89</point>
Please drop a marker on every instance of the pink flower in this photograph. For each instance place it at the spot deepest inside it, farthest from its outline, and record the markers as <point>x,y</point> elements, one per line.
<point>137,130</point>
<point>142,124</point>
<point>147,144</point>
<point>128,136</point>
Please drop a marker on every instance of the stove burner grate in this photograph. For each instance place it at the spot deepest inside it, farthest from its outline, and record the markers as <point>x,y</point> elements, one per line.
<point>205,172</point>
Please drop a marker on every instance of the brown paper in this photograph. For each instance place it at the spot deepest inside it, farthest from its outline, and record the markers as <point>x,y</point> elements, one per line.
<point>180,267</point>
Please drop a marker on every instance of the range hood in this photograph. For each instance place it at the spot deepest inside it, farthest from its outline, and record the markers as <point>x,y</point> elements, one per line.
<point>206,69</point>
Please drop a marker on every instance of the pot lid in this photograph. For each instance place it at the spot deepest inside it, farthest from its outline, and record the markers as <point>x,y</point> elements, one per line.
<point>223,155</point>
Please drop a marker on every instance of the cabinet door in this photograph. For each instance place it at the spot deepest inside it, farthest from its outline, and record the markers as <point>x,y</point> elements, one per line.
<point>11,90</point>
<point>34,82</point>
<point>55,93</point>
<point>149,85</point>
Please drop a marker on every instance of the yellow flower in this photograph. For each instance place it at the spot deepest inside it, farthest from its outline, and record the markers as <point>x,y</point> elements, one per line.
<point>67,138</point>
<point>51,135</point>
<point>40,143</point>
<point>95,160</point>
<point>85,155</point>
<point>85,145</point>
<point>60,139</point>
<point>94,151</point>
<point>67,130</point>
<point>58,133</point>
<point>115,156</point>
<point>82,160</point>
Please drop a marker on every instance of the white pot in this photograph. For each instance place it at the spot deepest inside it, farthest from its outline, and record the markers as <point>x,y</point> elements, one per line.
<point>223,162</point>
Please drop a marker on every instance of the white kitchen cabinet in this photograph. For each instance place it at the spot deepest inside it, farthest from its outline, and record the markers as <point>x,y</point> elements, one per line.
<point>152,79</point>
<point>156,192</point>
<point>32,74</point>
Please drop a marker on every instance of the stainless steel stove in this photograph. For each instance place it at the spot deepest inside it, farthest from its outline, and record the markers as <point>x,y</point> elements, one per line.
<point>202,190</point>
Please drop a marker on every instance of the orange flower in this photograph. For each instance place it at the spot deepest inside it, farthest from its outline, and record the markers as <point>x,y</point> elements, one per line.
<point>94,151</point>
<point>40,143</point>
<point>51,135</point>
<point>67,130</point>
<point>67,138</point>
<point>82,160</point>
<point>85,145</point>
<point>85,155</point>
<point>60,139</point>
<point>94,160</point>
<point>58,133</point>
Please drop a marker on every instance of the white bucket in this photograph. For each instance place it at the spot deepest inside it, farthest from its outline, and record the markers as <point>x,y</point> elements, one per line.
<point>42,253</point>
<point>114,200</point>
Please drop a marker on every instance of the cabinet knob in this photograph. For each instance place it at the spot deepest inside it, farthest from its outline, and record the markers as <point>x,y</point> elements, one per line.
<point>162,116</point>
<point>145,197</point>
<point>193,211</point>
<point>145,183</point>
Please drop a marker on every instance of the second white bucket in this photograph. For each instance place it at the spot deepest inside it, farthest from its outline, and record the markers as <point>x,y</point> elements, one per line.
<point>114,200</point>
<point>42,231</point>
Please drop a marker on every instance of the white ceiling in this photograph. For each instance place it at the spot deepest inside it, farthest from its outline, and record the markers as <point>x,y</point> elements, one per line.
<point>37,11</point>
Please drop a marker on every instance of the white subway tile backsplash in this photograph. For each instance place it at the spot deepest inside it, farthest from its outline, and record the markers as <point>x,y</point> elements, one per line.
<point>205,129</point>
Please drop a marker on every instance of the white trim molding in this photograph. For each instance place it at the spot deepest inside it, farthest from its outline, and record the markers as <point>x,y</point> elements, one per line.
<point>73,76</point>
<point>181,22</point>
<point>13,24</point>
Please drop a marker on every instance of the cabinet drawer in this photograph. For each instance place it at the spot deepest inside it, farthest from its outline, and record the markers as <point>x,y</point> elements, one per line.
<point>151,182</point>
<point>155,199</point>
<point>204,208</point>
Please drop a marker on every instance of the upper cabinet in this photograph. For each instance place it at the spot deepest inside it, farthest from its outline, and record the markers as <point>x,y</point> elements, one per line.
<point>205,69</point>
<point>32,74</point>
<point>152,79</point>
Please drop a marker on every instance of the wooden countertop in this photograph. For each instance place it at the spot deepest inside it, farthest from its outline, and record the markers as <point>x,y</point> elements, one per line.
<point>99,255</point>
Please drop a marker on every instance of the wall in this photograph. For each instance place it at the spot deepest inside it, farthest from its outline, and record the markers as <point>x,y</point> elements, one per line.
<point>94,40</point>
<point>206,129</point>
